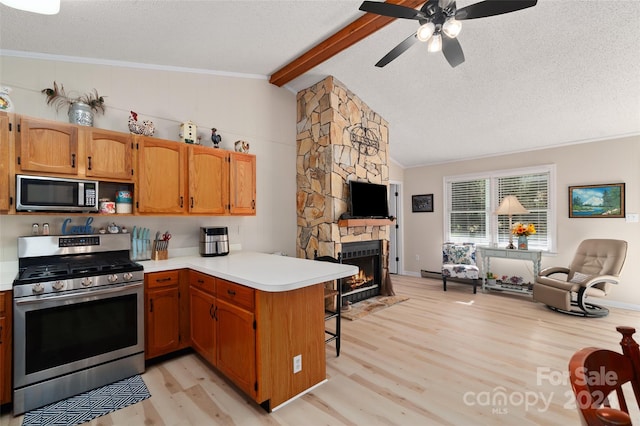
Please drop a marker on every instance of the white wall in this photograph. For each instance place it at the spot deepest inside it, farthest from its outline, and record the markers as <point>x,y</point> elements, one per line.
<point>610,161</point>
<point>240,108</point>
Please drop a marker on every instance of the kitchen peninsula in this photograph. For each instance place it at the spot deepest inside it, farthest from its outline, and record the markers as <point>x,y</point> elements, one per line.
<point>251,314</point>
<point>247,314</point>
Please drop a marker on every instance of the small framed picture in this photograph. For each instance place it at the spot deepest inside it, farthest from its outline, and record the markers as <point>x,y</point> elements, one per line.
<point>422,203</point>
<point>606,200</point>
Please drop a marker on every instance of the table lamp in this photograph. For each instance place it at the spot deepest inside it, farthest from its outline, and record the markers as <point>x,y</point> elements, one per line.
<point>510,205</point>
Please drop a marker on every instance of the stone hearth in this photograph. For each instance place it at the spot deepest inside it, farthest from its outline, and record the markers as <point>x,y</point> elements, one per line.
<point>339,139</point>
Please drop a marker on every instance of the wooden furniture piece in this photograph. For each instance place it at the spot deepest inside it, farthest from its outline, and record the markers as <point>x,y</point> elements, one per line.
<point>486,253</point>
<point>333,303</point>
<point>165,314</point>
<point>166,177</point>
<point>6,347</point>
<point>597,373</point>
<point>6,141</point>
<point>596,265</point>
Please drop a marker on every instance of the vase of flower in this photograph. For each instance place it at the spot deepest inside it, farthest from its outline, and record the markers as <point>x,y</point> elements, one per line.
<point>523,242</point>
<point>80,113</point>
<point>81,108</point>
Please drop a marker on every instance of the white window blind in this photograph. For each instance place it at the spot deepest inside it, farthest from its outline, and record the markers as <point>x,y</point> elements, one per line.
<point>471,201</point>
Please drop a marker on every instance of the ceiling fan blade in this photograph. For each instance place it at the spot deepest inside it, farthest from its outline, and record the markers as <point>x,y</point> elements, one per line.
<point>392,10</point>
<point>397,51</point>
<point>452,51</point>
<point>492,8</point>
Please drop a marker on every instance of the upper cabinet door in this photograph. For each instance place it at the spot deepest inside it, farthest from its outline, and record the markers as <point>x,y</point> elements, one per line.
<point>48,146</point>
<point>5,141</point>
<point>243,184</point>
<point>161,174</point>
<point>208,180</point>
<point>108,154</point>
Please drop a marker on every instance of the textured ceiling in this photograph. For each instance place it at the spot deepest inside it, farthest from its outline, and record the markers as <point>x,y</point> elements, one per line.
<point>562,72</point>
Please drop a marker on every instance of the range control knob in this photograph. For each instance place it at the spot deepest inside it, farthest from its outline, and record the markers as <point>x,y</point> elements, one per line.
<point>127,276</point>
<point>58,285</point>
<point>37,288</point>
<point>112,278</point>
<point>86,282</point>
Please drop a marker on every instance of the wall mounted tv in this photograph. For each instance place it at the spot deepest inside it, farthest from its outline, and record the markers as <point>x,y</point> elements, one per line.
<point>368,200</point>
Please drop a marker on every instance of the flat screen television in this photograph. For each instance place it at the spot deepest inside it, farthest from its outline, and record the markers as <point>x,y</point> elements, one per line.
<point>368,200</point>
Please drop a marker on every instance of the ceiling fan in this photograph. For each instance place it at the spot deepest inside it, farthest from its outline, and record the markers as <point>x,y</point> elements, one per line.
<point>438,17</point>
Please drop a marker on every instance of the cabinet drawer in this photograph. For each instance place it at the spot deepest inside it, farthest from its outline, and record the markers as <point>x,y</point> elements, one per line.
<point>202,281</point>
<point>235,293</point>
<point>4,297</point>
<point>162,279</point>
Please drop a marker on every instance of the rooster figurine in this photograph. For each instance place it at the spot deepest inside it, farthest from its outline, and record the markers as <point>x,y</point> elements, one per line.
<point>145,128</point>
<point>215,138</point>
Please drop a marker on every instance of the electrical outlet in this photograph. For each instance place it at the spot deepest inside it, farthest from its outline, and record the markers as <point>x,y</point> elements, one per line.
<point>632,217</point>
<point>297,364</point>
<point>417,257</point>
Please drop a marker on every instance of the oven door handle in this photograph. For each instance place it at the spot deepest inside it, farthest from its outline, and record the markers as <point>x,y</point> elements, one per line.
<point>110,290</point>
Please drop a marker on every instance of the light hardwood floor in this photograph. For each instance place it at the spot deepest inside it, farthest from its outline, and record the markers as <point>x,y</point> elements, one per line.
<point>440,358</point>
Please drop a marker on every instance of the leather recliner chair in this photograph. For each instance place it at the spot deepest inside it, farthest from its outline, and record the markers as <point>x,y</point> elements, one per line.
<point>596,265</point>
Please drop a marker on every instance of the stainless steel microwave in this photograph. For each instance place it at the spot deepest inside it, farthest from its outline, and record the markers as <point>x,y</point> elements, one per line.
<point>43,193</point>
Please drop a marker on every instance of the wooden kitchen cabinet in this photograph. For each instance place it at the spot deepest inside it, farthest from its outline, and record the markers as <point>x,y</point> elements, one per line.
<point>5,346</point>
<point>202,291</point>
<point>161,178</point>
<point>6,141</point>
<point>164,314</point>
<point>47,146</point>
<point>108,154</point>
<point>203,323</point>
<point>208,180</point>
<point>236,345</point>
<point>242,184</point>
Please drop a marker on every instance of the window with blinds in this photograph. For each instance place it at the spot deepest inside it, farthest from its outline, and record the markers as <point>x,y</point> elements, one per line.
<point>472,200</point>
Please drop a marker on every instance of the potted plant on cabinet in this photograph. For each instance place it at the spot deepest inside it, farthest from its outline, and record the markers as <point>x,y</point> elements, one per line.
<point>81,108</point>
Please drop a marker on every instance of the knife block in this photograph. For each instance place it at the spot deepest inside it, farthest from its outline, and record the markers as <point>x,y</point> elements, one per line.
<point>160,253</point>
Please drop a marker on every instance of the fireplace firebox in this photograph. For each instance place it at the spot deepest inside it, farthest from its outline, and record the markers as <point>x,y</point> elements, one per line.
<point>367,256</point>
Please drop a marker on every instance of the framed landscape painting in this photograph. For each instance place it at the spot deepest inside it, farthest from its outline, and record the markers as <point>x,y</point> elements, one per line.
<point>606,200</point>
<point>422,203</point>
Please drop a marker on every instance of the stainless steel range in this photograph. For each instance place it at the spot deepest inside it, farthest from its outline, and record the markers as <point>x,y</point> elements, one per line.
<point>78,316</point>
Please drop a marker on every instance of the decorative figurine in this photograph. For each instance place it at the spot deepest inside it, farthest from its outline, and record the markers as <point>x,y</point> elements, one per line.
<point>215,138</point>
<point>188,132</point>
<point>5,101</point>
<point>242,146</point>
<point>145,128</point>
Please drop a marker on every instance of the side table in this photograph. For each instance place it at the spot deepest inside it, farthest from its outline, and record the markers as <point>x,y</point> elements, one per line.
<point>486,253</point>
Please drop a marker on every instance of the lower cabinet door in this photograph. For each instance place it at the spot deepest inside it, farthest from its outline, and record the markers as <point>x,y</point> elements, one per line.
<point>203,324</point>
<point>163,321</point>
<point>236,345</point>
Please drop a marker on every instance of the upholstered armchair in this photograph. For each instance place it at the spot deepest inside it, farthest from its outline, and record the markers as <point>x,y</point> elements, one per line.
<point>596,265</point>
<point>459,261</point>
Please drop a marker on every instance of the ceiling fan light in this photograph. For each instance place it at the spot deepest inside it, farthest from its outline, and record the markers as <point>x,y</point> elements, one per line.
<point>435,43</point>
<point>452,27</point>
<point>45,7</point>
<point>426,31</point>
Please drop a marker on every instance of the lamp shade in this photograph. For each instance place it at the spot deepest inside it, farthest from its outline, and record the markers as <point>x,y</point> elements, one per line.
<point>510,205</point>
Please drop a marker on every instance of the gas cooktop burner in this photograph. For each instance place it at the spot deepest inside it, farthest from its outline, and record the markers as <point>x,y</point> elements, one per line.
<point>87,259</point>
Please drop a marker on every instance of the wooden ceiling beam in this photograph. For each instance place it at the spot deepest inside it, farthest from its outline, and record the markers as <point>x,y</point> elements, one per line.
<point>362,27</point>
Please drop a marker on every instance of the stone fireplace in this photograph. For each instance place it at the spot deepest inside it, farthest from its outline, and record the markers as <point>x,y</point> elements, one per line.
<point>339,139</point>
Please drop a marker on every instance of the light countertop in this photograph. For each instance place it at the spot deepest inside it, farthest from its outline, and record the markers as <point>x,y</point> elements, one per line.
<point>266,272</point>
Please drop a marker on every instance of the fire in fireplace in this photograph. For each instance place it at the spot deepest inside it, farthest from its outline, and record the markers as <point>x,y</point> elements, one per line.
<point>367,256</point>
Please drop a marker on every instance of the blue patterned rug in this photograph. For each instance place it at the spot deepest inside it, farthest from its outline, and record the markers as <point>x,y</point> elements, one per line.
<point>89,405</point>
